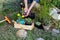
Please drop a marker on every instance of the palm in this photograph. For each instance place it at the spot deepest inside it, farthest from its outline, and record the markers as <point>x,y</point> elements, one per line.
<point>27,13</point>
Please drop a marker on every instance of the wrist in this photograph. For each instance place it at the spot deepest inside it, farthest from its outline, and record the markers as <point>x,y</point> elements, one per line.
<point>26,9</point>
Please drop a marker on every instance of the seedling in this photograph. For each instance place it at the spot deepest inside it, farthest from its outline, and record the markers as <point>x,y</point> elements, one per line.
<point>38,25</point>
<point>28,21</point>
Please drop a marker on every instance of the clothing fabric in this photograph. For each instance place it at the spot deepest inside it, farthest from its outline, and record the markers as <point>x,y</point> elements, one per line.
<point>30,1</point>
<point>36,1</point>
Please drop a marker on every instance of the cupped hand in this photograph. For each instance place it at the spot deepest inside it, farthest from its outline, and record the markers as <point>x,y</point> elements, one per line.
<point>27,13</point>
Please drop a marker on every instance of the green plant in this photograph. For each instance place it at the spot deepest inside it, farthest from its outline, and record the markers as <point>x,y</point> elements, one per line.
<point>43,13</point>
<point>28,20</point>
<point>38,23</point>
<point>56,3</point>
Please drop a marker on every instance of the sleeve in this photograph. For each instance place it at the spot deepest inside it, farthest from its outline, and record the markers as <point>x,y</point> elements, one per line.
<point>36,1</point>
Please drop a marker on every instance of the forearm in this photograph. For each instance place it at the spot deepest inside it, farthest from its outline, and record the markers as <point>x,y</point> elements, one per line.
<point>26,5</point>
<point>32,5</point>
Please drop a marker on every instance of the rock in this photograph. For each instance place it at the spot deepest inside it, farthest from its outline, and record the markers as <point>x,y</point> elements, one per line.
<point>55,32</point>
<point>21,33</point>
<point>39,39</point>
<point>54,13</point>
<point>59,17</point>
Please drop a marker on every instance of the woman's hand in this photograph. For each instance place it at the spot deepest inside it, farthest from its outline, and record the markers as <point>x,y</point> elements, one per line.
<point>27,13</point>
<point>25,10</point>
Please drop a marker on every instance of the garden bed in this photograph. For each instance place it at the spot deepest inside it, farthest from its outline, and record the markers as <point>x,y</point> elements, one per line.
<point>11,8</point>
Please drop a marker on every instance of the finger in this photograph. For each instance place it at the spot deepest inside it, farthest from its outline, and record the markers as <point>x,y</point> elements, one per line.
<point>26,10</point>
<point>25,15</point>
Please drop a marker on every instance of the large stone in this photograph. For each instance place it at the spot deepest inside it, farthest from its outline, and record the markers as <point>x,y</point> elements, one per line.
<point>54,13</point>
<point>39,39</point>
<point>21,33</point>
<point>55,32</point>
